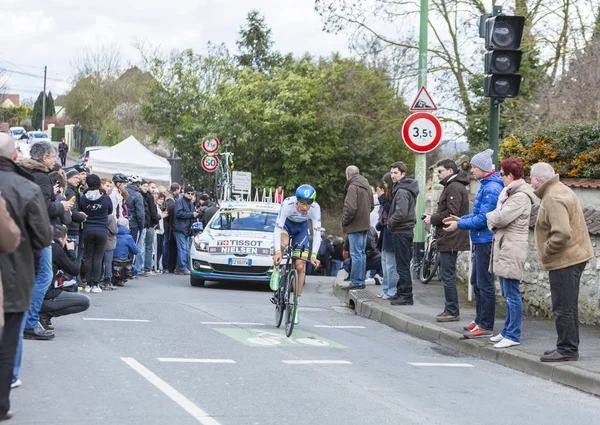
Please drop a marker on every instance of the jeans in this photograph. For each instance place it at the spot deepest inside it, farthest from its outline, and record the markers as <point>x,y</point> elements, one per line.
<point>336,265</point>
<point>66,303</point>
<point>95,242</point>
<point>149,249</point>
<point>165,250</point>
<point>159,252</point>
<point>8,351</point>
<point>483,286</point>
<point>448,276</point>
<point>43,278</point>
<point>183,251</point>
<point>138,262</point>
<point>358,246</point>
<point>564,289</point>
<point>403,251</point>
<point>514,308</point>
<point>390,275</point>
<point>108,257</point>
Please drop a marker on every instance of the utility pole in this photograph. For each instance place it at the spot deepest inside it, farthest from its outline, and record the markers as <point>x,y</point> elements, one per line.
<point>44,99</point>
<point>421,158</point>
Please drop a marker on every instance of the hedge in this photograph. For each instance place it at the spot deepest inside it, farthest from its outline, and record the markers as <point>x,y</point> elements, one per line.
<point>573,150</point>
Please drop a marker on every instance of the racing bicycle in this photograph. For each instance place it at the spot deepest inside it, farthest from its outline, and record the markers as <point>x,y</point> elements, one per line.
<point>431,257</point>
<point>223,179</point>
<point>286,297</point>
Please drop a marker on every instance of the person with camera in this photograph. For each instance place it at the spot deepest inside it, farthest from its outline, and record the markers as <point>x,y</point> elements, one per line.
<point>58,302</point>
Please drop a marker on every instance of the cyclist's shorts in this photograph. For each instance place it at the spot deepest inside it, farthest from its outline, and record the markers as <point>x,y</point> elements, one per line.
<point>298,233</point>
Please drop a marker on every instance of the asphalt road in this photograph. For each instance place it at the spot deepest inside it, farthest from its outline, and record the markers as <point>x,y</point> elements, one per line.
<point>177,362</point>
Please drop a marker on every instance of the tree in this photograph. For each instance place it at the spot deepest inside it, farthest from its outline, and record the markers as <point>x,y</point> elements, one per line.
<point>50,109</point>
<point>255,44</point>
<point>36,115</point>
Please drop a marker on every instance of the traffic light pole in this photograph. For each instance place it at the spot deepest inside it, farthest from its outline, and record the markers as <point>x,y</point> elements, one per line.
<point>420,158</point>
<point>494,137</point>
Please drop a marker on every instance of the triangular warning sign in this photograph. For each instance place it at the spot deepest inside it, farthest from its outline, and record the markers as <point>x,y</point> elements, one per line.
<point>423,101</point>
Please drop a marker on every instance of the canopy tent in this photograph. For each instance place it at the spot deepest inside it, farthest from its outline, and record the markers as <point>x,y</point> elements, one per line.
<point>131,157</point>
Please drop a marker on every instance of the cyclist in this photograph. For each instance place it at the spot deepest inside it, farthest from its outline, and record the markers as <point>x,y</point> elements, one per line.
<point>292,227</point>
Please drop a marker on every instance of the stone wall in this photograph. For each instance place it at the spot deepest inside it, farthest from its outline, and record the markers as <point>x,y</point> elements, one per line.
<point>535,286</point>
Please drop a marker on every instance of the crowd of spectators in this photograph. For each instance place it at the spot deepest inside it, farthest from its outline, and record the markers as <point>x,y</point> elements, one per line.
<point>67,234</point>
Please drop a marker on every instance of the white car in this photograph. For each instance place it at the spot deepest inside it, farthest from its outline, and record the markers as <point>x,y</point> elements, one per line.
<point>17,132</point>
<point>237,244</point>
<point>37,136</point>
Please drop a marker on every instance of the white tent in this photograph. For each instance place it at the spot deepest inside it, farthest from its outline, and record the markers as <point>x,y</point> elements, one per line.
<point>131,157</point>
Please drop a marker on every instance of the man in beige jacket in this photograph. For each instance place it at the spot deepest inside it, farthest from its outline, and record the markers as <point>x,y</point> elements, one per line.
<point>564,247</point>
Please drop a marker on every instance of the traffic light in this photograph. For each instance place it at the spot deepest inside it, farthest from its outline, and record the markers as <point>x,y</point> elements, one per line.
<point>502,61</point>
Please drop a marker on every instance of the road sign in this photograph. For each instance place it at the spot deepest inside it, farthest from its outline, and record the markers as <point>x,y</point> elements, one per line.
<point>242,181</point>
<point>422,132</point>
<point>210,145</point>
<point>210,163</point>
<point>423,101</point>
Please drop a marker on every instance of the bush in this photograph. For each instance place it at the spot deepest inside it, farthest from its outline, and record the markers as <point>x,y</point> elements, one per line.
<point>573,150</point>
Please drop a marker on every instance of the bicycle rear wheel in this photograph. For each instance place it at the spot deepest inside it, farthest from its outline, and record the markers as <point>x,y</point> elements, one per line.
<point>291,302</point>
<point>429,264</point>
<point>280,305</point>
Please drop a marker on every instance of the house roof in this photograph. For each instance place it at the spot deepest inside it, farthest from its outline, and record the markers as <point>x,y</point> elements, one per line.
<point>59,101</point>
<point>15,99</point>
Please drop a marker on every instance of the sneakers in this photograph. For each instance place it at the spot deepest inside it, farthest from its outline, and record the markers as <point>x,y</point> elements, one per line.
<point>96,289</point>
<point>46,322</point>
<point>443,317</point>
<point>477,333</point>
<point>470,326</point>
<point>38,333</point>
<point>505,343</point>
<point>497,338</point>
<point>186,273</point>
<point>377,280</point>
<point>16,384</point>
<point>87,289</point>
<point>401,301</point>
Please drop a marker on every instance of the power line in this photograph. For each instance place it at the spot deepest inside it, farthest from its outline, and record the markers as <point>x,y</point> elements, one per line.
<point>28,74</point>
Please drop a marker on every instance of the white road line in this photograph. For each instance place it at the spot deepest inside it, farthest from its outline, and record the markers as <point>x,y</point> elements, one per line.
<point>99,319</point>
<point>233,323</point>
<point>339,327</point>
<point>442,364</point>
<point>186,360</point>
<point>316,362</point>
<point>198,414</point>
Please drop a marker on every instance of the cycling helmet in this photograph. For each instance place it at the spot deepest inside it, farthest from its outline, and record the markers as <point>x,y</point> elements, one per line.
<point>119,178</point>
<point>306,191</point>
<point>135,179</point>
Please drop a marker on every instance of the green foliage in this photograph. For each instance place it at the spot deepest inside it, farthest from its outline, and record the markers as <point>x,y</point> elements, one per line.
<point>14,114</point>
<point>111,133</point>
<point>573,150</point>
<point>50,109</point>
<point>255,45</point>
<point>36,115</point>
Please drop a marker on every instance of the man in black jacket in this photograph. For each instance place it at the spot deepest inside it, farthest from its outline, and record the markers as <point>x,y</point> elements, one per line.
<point>58,302</point>
<point>454,200</point>
<point>26,206</point>
<point>401,223</point>
<point>151,219</point>
<point>184,216</point>
<point>72,194</point>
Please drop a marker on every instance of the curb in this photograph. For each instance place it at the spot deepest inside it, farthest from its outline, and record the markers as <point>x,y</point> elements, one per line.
<point>364,304</point>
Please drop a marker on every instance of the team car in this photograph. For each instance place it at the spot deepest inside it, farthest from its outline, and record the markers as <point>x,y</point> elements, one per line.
<point>237,244</point>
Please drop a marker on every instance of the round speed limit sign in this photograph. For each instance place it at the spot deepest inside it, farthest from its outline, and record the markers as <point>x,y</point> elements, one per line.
<point>210,163</point>
<point>422,132</point>
<point>210,145</point>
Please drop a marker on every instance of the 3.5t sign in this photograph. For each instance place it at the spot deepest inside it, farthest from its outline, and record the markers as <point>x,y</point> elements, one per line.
<point>422,132</point>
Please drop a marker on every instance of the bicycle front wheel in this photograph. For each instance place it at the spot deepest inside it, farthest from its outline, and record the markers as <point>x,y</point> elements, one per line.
<point>291,297</point>
<point>280,298</point>
<point>429,264</point>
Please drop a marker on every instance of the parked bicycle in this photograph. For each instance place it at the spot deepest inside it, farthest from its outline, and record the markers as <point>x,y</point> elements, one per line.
<point>431,257</point>
<point>286,297</point>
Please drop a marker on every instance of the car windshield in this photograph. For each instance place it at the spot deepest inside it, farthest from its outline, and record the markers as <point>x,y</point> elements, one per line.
<point>253,220</point>
<point>40,135</point>
<point>18,132</point>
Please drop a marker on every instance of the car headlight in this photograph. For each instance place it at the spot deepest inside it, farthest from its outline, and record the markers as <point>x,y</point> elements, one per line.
<point>200,245</point>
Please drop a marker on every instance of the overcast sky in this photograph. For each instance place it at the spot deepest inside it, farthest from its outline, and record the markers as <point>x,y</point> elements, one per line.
<point>51,32</point>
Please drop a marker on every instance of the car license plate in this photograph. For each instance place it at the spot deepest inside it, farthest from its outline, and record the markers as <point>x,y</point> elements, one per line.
<point>240,262</point>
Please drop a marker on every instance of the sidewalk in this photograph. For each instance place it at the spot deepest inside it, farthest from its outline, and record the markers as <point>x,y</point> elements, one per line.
<point>537,335</point>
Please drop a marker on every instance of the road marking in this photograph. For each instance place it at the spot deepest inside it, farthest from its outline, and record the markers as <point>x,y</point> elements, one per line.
<point>316,362</point>
<point>185,360</point>
<point>339,327</point>
<point>198,414</point>
<point>442,364</point>
<point>233,323</point>
<point>98,319</point>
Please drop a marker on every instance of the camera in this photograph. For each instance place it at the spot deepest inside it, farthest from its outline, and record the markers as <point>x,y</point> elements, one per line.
<point>423,216</point>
